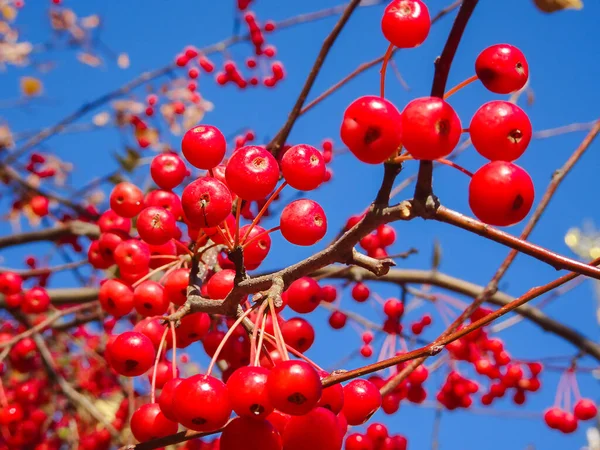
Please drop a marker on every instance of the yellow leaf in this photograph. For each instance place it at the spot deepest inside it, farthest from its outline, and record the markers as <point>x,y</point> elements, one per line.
<point>550,6</point>
<point>9,12</point>
<point>31,86</point>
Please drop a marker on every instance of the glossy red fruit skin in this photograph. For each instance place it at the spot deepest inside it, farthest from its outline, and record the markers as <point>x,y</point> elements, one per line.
<point>357,441</point>
<point>116,298</point>
<point>316,430</point>
<point>303,167</point>
<point>194,326</point>
<point>36,300</point>
<point>431,128</point>
<point>165,399</point>
<point>220,284</point>
<point>202,403</point>
<point>569,423</point>
<point>585,409</point>
<point>500,131</point>
<point>167,170</point>
<point>156,226</point>
<point>371,129</point>
<point>10,283</point>
<point>252,173</point>
<point>165,199</point>
<point>298,333</point>
<point>148,422</point>
<point>554,417</point>
<point>176,286</point>
<point>502,68</point>
<point>258,247</point>
<point>206,202</point>
<point>303,222</point>
<point>149,299</point>
<point>248,395</point>
<point>250,434</point>
<point>501,193</point>
<point>204,146</point>
<point>361,400</point>
<point>131,354</point>
<point>303,295</point>
<point>406,23</point>
<point>332,397</point>
<point>126,199</point>
<point>294,387</point>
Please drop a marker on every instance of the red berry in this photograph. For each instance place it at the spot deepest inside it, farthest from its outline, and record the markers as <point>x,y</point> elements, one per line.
<point>165,199</point>
<point>148,422</point>
<point>156,225</point>
<point>569,423</point>
<point>585,409</point>
<point>303,167</point>
<point>204,146</point>
<point>501,193</point>
<point>360,292</point>
<point>371,129</point>
<point>116,298</point>
<point>406,23</point>
<point>294,387</point>
<point>303,222</point>
<point>168,170</point>
<point>110,221</point>
<point>357,441</point>
<point>149,299</point>
<point>201,403</point>
<point>298,333</point>
<point>250,434</point>
<point>430,128</point>
<point>131,354</point>
<point>317,430</point>
<point>554,417</point>
<point>303,295</point>
<point>126,199</point>
<point>132,256</point>
<point>502,68</point>
<point>500,131</point>
<point>393,308</point>
<point>36,300</point>
<point>337,320</point>
<point>252,173</point>
<point>332,397</point>
<point>257,248</point>
<point>247,388</point>
<point>165,399</point>
<point>220,284</point>
<point>361,400</point>
<point>39,205</point>
<point>176,286</point>
<point>206,202</point>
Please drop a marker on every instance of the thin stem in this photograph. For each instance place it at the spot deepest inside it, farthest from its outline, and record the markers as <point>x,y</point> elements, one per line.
<point>277,331</point>
<point>454,165</point>
<point>260,339</point>
<point>386,59</point>
<point>156,361</point>
<point>153,272</point>
<point>262,211</point>
<point>460,85</point>
<point>258,236</point>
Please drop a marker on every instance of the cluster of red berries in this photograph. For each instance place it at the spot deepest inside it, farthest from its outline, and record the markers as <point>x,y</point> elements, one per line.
<point>500,193</point>
<point>376,437</point>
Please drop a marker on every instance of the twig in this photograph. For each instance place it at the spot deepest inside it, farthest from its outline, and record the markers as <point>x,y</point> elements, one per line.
<point>74,227</point>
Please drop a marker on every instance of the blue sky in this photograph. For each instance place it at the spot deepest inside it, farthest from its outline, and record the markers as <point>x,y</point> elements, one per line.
<point>561,50</point>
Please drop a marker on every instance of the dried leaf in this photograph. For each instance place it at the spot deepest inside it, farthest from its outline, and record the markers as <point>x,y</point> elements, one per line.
<point>89,59</point>
<point>90,21</point>
<point>101,119</point>
<point>123,61</point>
<point>8,12</point>
<point>436,259</point>
<point>550,6</point>
<point>31,86</point>
<point>130,160</point>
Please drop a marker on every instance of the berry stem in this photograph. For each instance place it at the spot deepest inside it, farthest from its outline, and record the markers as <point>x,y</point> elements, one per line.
<point>154,370</point>
<point>574,384</point>
<point>277,332</point>
<point>270,230</point>
<point>224,340</point>
<point>183,247</point>
<point>260,339</point>
<point>262,211</point>
<point>386,58</point>
<point>174,357</point>
<point>460,85</point>
<point>456,166</point>
<point>226,236</point>
<point>153,272</point>
<point>238,210</point>
<point>254,348</point>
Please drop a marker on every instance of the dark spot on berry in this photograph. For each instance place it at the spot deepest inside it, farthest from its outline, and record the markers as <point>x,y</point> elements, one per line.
<point>111,302</point>
<point>519,68</point>
<point>130,364</point>
<point>256,409</point>
<point>318,221</point>
<point>518,202</point>
<point>515,136</point>
<point>148,305</point>
<point>198,421</point>
<point>371,135</point>
<point>486,75</point>
<point>297,398</point>
<point>442,127</point>
<point>301,342</point>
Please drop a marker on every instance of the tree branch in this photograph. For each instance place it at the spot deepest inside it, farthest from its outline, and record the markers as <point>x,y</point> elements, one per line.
<point>74,227</point>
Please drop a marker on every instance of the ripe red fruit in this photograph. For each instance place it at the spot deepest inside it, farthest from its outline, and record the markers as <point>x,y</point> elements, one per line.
<point>360,292</point>
<point>500,131</point>
<point>303,167</point>
<point>193,327</point>
<point>250,434</point>
<point>406,23</point>
<point>393,308</point>
<point>204,146</point>
<point>206,202</point>
<point>176,286</point>
<point>110,221</point>
<point>252,173</point>
<point>568,424</point>
<point>167,170</point>
<point>501,193</point>
<point>303,222</point>
<point>554,417</point>
<point>10,283</point>
<point>361,400</point>
<point>430,128</point>
<point>156,226</point>
<point>220,284</point>
<point>247,388</point>
<point>332,397</point>
<point>256,248</point>
<point>371,129</point>
<point>294,387</point>
<point>132,255</point>
<point>10,414</point>
<point>149,299</point>
<point>165,399</point>
<point>298,333</point>
<point>116,298</point>
<point>36,300</point>
<point>502,68</point>
<point>202,403</point>
<point>131,354</point>
<point>148,422</point>
<point>585,409</point>
<point>39,205</point>
<point>337,320</point>
<point>165,199</point>
<point>303,295</point>
<point>126,199</point>
<point>357,441</point>
<point>317,430</point>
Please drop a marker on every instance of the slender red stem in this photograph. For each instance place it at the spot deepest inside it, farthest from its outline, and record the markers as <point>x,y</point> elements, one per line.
<point>456,166</point>
<point>155,369</point>
<point>258,236</point>
<point>460,85</point>
<point>386,59</point>
<point>264,209</point>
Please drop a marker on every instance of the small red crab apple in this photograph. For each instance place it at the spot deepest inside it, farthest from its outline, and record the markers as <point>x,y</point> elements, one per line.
<point>585,409</point>
<point>371,129</point>
<point>116,298</point>
<point>303,222</point>
<point>206,202</point>
<point>156,225</point>
<point>247,388</point>
<point>500,131</point>
<point>361,400</point>
<point>252,173</point>
<point>319,429</point>
<point>10,283</point>
<point>148,422</point>
<point>126,199</point>
<point>294,387</point>
<point>168,170</point>
<point>502,68</point>
<point>501,193</point>
<point>406,23</point>
<point>131,354</point>
<point>250,434</point>
<point>303,167</point>
<point>204,146</point>
<point>430,127</point>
